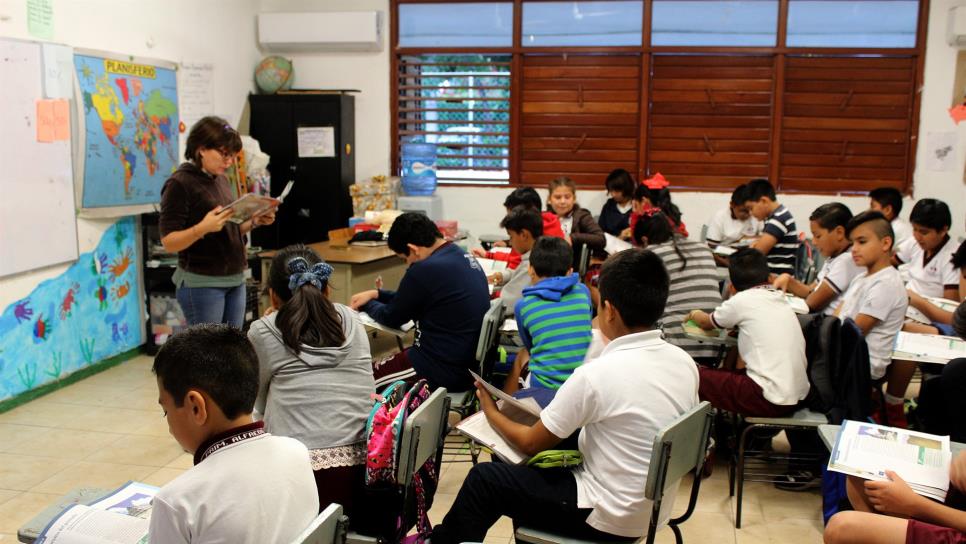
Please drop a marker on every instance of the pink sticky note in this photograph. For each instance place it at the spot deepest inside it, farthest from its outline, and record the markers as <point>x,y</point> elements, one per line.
<point>61,119</point>
<point>45,121</point>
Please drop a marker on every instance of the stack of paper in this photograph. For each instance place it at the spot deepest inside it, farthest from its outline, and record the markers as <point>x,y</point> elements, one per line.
<point>915,315</point>
<point>867,450</point>
<point>478,428</point>
<point>932,346</point>
<point>121,517</point>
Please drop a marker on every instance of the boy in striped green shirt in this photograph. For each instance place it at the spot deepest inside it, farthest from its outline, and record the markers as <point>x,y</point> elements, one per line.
<point>553,317</point>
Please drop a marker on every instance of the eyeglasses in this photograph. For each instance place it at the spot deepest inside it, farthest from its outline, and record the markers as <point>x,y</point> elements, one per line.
<point>227,155</point>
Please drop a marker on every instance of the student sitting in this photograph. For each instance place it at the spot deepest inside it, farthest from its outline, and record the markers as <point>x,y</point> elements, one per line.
<point>653,193</point>
<point>942,400</point>
<point>942,320</point>
<point>734,225</point>
<point>578,225</point>
<point>828,223</point>
<point>619,402</point>
<point>523,226</point>
<point>444,291</point>
<point>528,198</point>
<point>246,485</point>
<point>694,280</point>
<point>877,302</point>
<point>929,253</point>
<point>315,373</point>
<point>771,347</point>
<point>615,215</point>
<point>891,512</point>
<point>779,237</point>
<point>553,318</point>
<point>889,201</point>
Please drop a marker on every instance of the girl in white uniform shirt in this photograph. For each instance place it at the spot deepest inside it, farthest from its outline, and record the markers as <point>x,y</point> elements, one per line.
<point>827,223</point>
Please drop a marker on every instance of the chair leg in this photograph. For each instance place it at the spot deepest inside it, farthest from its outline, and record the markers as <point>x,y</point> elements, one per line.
<point>678,538</point>
<point>740,476</point>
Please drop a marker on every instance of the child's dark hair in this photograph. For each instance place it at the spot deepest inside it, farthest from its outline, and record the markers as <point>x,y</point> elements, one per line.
<point>620,180</point>
<point>738,195</point>
<point>959,258</point>
<point>556,183</point>
<point>524,196</point>
<point>931,213</point>
<point>747,268</point>
<point>880,225</point>
<point>412,228</point>
<point>214,358</point>
<point>959,320</point>
<point>757,188</point>
<point>211,133</point>
<point>888,196</point>
<point>521,218</point>
<point>298,276</point>
<point>551,257</point>
<point>658,229</point>
<point>660,198</point>
<point>636,284</point>
<point>831,215</point>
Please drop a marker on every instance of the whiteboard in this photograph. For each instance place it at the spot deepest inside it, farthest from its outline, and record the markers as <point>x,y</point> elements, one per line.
<point>37,216</point>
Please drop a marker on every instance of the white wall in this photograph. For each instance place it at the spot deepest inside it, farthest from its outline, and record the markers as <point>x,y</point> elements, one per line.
<point>479,209</point>
<point>221,32</point>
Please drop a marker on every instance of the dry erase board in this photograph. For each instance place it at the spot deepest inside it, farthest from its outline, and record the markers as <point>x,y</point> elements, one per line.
<point>37,218</point>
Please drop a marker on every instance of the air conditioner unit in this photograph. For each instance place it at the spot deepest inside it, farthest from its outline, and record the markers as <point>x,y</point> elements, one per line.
<point>956,27</point>
<point>321,31</point>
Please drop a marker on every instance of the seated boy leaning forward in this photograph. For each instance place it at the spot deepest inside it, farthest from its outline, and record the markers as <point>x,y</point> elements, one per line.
<point>891,512</point>
<point>779,236</point>
<point>553,317</point>
<point>888,200</point>
<point>529,199</point>
<point>770,346</point>
<point>246,485</point>
<point>637,386</point>
<point>444,292</point>
<point>877,302</point>
<point>523,226</point>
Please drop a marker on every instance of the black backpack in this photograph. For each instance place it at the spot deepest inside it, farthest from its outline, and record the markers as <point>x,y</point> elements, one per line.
<point>822,351</point>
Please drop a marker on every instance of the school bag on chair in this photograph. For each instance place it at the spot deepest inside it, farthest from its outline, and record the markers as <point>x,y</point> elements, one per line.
<point>390,510</point>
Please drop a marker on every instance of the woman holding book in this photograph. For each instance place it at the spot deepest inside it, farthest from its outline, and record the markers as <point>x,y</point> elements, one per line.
<point>209,279</point>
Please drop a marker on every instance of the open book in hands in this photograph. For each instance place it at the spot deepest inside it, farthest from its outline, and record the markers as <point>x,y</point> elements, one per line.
<point>478,428</point>
<point>250,205</point>
<point>121,517</point>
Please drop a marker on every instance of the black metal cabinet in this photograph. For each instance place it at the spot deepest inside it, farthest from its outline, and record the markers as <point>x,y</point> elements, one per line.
<point>319,201</point>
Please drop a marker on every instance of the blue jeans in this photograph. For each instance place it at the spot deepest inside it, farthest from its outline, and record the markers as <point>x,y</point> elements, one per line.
<point>213,304</point>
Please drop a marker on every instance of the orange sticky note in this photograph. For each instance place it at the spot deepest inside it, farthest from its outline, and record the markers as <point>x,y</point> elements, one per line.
<point>958,113</point>
<point>61,119</point>
<point>45,121</point>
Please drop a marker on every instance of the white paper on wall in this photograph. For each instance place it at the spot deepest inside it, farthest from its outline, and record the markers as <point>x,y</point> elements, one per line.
<point>941,151</point>
<point>316,142</point>
<point>195,93</point>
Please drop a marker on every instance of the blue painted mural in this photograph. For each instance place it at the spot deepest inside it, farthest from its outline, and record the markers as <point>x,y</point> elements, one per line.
<point>85,315</point>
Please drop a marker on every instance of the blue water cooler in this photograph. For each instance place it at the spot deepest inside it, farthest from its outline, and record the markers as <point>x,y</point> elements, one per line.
<point>418,169</point>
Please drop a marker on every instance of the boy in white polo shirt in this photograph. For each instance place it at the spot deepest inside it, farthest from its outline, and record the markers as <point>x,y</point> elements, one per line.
<point>929,253</point>
<point>877,303</point>
<point>619,402</point>
<point>735,224</point>
<point>246,486</point>
<point>888,200</point>
<point>770,345</point>
<point>827,223</point>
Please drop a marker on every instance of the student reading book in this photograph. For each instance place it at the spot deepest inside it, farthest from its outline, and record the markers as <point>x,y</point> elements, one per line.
<point>246,485</point>
<point>524,226</point>
<point>888,200</point>
<point>779,237</point>
<point>637,386</point>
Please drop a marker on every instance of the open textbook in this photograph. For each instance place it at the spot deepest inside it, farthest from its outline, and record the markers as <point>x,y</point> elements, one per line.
<point>929,348</point>
<point>915,315</point>
<point>251,204</point>
<point>121,517</point>
<point>477,427</point>
<point>867,450</point>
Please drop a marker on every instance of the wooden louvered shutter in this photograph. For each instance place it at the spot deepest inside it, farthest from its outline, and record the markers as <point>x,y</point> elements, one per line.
<point>846,123</point>
<point>580,117</point>
<point>710,119</point>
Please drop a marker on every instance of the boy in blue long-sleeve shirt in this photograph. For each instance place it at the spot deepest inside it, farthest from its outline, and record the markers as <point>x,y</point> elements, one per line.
<point>553,317</point>
<point>444,292</point>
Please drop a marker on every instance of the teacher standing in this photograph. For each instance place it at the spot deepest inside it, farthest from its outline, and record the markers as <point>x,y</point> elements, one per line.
<point>209,279</point>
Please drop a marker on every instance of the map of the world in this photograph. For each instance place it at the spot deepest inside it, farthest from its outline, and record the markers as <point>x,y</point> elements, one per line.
<point>130,114</point>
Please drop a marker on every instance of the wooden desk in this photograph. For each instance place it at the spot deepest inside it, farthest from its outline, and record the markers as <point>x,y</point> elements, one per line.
<point>355,269</point>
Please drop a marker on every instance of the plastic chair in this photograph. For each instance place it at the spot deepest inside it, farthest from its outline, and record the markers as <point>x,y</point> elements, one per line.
<point>327,528</point>
<point>464,402</point>
<point>422,439</point>
<point>679,448</point>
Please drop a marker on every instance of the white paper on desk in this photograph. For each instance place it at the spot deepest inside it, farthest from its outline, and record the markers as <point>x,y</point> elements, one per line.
<point>930,345</point>
<point>868,450</point>
<point>724,250</point>
<point>798,304</point>
<point>510,325</point>
<point>491,266</point>
<point>615,244</point>
<point>370,322</point>
<point>316,142</point>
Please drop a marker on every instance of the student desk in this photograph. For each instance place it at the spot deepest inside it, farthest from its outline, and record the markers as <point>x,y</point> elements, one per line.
<point>829,433</point>
<point>82,495</point>
<point>355,268</point>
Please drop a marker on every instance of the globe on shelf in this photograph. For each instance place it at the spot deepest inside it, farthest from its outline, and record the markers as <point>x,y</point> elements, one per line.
<point>274,74</point>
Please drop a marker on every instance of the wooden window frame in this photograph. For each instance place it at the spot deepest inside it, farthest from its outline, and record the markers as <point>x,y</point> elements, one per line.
<point>646,50</point>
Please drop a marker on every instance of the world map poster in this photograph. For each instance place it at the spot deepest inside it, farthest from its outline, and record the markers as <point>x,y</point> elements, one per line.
<point>130,130</point>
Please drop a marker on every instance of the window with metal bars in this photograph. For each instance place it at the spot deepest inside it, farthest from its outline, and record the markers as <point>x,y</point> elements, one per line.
<point>461,103</point>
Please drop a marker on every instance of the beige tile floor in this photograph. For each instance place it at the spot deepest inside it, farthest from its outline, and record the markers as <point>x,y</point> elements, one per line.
<point>108,429</point>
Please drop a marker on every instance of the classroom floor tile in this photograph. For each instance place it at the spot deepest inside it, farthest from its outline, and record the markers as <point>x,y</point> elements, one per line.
<point>107,429</point>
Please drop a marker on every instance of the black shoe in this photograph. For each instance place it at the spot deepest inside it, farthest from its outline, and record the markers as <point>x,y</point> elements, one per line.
<point>797,480</point>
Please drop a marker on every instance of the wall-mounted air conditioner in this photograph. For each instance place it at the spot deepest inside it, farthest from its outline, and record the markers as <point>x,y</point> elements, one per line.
<point>956,27</point>
<point>321,31</point>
